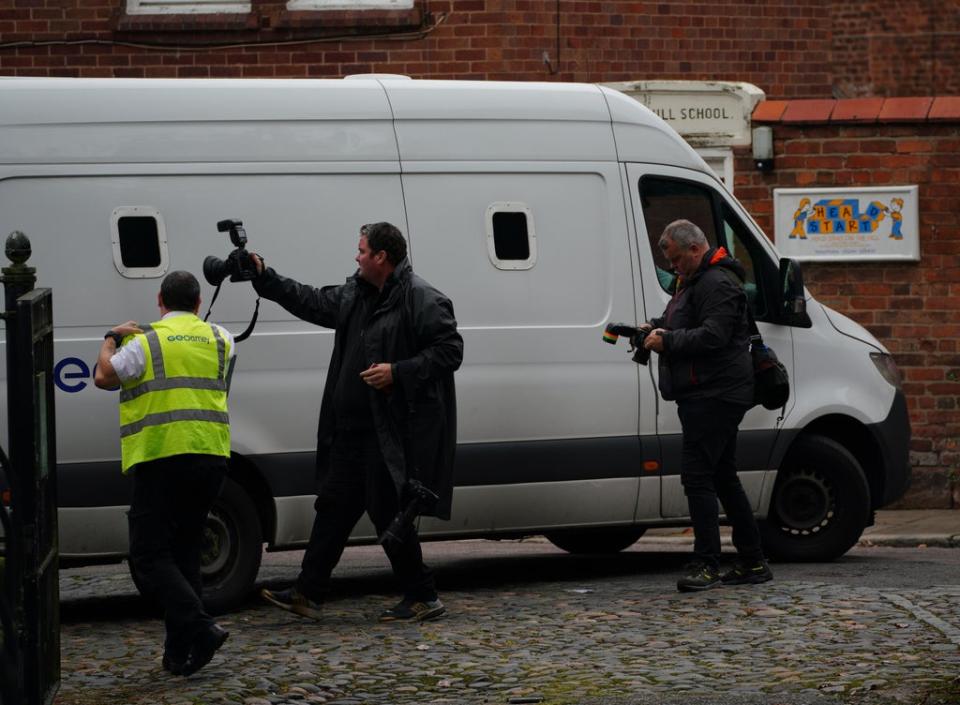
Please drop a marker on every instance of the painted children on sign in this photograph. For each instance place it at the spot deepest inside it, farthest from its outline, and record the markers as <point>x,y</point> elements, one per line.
<point>896,206</point>
<point>847,224</point>
<point>799,216</point>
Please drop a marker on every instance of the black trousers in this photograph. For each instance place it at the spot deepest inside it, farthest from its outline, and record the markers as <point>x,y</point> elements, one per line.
<point>171,499</point>
<point>358,480</point>
<point>708,472</point>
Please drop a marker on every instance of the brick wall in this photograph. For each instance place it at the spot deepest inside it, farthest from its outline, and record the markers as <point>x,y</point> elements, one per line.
<point>913,308</point>
<point>896,48</point>
<point>790,48</point>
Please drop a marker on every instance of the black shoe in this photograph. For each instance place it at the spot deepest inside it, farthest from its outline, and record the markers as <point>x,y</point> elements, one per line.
<point>292,600</point>
<point>204,647</point>
<point>173,664</point>
<point>699,576</point>
<point>748,573</point>
<point>413,610</point>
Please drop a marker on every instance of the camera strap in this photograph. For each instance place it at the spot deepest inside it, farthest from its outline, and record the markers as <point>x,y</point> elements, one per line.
<point>216,293</point>
<point>253,320</point>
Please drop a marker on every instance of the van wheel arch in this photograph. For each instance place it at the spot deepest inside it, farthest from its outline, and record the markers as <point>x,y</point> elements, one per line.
<point>856,438</point>
<point>820,504</point>
<point>599,539</point>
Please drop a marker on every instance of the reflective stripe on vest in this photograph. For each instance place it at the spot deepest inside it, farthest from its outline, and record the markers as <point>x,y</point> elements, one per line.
<point>179,404</point>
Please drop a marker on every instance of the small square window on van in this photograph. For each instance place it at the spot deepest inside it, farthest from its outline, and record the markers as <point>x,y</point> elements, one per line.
<point>511,241</point>
<point>139,242</point>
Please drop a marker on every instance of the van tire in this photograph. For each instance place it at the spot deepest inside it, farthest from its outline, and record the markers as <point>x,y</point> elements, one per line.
<point>231,550</point>
<point>604,539</point>
<point>820,503</point>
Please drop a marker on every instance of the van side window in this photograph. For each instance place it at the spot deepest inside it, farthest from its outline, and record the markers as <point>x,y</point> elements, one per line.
<point>139,242</point>
<point>667,200</point>
<point>741,245</point>
<point>511,241</point>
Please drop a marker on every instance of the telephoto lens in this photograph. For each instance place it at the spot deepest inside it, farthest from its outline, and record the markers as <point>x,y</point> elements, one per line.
<point>215,270</point>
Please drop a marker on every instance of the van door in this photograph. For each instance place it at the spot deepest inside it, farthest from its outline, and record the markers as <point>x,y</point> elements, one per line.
<point>536,261</point>
<point>660,195</point>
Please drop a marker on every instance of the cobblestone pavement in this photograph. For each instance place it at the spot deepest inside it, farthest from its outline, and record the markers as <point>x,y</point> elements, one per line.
<point>551,631</point>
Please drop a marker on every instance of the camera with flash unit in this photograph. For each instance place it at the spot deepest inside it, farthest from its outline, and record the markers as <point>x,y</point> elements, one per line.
<point>238,265</point>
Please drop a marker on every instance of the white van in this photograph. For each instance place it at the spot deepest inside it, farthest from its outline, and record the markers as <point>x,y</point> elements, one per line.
<point>535,207</point>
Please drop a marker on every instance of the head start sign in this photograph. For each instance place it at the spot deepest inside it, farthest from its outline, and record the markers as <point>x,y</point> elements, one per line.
<point>841,224</point>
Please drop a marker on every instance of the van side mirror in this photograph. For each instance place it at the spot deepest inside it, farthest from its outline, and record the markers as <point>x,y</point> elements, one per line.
<point>793,302</point>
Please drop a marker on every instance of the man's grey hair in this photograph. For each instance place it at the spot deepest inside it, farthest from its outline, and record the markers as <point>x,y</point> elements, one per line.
<point>683,233</point>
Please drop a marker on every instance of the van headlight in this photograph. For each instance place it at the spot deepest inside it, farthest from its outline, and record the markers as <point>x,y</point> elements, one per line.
<point>887,368</point>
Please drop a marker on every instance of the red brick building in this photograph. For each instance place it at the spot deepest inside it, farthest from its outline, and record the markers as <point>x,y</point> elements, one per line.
<point>810,57</point>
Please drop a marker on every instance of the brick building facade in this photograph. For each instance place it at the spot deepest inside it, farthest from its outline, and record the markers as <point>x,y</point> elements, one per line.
<point>792,49</point>
<point>912,307</point>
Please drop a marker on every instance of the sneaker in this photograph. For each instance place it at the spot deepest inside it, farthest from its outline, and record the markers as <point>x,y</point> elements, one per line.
<point>699,576</point>
<point>292,600</point>
<point>748,573</point>
<point>413,610</point>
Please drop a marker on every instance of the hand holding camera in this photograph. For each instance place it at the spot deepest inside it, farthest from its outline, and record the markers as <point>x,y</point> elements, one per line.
<point>238,265</point>
<point>636,336</point>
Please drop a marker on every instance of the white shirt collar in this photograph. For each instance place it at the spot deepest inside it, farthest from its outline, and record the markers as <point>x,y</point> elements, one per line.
<point>174,314</point>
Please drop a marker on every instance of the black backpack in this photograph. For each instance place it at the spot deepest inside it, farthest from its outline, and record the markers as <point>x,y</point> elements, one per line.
<point>771,384</point>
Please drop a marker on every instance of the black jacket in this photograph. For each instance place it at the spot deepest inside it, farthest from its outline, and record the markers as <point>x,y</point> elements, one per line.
<point>707,343</point>
<point>414,328</point>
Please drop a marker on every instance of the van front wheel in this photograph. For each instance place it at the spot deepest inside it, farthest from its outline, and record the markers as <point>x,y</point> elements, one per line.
<point>820,504</point>
<point>605,539</point>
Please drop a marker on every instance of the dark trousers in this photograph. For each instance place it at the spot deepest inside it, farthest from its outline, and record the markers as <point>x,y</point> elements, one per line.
<point>708,472</point>
<point>171,499</point>
<point>358,480</point>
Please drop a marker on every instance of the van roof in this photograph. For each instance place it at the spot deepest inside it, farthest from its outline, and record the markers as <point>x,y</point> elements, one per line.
<point>63,120</point>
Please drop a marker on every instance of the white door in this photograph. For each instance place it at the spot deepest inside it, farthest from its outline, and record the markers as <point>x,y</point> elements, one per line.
<point>660,195</point>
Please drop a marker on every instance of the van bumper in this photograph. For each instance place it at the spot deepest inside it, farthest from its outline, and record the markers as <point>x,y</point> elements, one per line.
<point>892,436</point>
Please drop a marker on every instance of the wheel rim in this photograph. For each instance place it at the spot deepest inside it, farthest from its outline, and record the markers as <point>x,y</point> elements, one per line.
<point>805,503</point>
<point>217,545</point>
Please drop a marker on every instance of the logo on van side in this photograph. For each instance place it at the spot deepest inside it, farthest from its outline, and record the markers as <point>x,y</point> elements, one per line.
<point>69,369</point>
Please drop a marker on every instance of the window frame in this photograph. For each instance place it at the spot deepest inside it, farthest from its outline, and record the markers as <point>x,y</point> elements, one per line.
<point>187,7</point>
<point>139,212</point>
<point>335,5</point>
<point>511,264</point>
<point>765,279</point>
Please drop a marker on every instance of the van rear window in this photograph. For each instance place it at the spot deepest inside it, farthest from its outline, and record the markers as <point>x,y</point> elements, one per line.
<point>139,242</point>
<point>511,242</point>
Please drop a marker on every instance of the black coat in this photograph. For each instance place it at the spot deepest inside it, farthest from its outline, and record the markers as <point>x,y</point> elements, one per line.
<point>707,344</point>
<point>413,327</point>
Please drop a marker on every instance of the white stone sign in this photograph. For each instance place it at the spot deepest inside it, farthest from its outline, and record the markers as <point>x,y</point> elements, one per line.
<point>714,113</point>
<point>847,224</point>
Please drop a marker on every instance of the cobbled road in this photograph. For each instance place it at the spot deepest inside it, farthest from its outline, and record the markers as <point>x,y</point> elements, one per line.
<point>528,623</point>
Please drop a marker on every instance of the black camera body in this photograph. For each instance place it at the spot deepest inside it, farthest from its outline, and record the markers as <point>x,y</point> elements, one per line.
<point>238,265</point>
<point>636,336</point>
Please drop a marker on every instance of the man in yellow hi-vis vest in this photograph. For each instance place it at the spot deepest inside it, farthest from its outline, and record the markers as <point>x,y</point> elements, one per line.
<point>175,439</point>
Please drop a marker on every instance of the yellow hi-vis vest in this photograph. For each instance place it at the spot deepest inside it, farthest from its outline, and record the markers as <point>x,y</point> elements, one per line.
<point>179,404</point>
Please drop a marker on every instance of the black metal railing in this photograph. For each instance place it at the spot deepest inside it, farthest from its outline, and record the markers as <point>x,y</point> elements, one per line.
<point>30,596</point>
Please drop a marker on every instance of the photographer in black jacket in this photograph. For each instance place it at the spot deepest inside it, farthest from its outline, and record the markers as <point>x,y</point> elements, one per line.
<point>703,342</point>
<point>388,414</point>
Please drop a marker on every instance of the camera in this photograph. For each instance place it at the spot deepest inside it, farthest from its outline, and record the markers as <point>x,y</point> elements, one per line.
<point>238,265</point>
<point>636,336</point>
